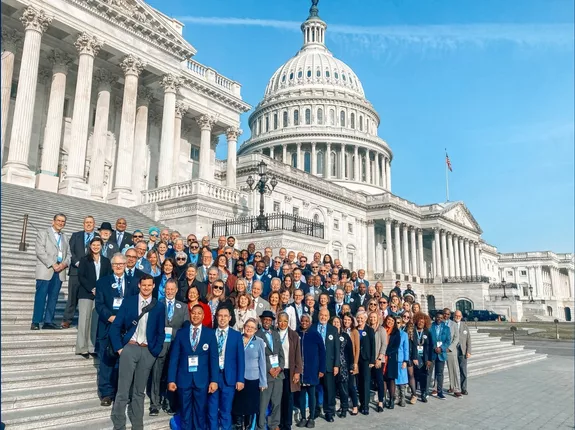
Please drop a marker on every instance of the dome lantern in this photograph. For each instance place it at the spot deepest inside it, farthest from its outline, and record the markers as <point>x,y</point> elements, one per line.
<point>313,28</point>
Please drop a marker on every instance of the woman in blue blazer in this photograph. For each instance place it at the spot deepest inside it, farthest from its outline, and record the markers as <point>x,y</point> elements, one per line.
<point>396,357</point>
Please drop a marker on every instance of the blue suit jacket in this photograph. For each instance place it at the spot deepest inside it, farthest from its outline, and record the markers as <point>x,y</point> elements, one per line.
<point>104,301</point>
<point>207,352</point>
<point>234,361</point>
<point>445,339</point>
<point>155,327</point>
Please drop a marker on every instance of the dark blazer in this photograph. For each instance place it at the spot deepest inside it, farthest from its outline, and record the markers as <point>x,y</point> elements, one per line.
<point>295,363</point>
<point>135,278</point>
<point>313,355</point>
<point>126,239</point>
<point>87,275</point>
<point>128,313</point>
<point>207,353</point>
<point>77,250</point>
<point>109,249</point>
<point>367,345</point>
<point>305,310</point>
<point>227,304</point>
<point>183,288</point>
<point>332,347</point>
<point>104,302</point>
<point>425,342</point>
<point>445,339</point>
<point>234,360</point>
<point>157,282</point>
<point>275,273</point>
<point>303,286</point>
<point>277,350</point>
<point>391,354</point>
<point>333,309</point>
<point>357,300</point>
<point>181,315</point>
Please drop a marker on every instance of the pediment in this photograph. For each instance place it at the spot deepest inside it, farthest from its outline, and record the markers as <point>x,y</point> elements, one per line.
<point>458,213</point>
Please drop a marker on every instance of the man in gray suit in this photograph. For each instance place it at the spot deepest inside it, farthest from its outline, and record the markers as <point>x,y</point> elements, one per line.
<point>176,315</point>
<point>207,260</point>
<point>452,362</point>
<point>463,349</point>
<point>260,305</point>
<point>52,259</point>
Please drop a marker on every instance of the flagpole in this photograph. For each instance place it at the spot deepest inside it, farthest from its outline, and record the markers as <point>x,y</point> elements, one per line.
<point>446,178</point>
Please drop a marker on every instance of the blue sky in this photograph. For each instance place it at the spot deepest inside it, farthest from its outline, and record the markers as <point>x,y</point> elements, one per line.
<point>492,81</point>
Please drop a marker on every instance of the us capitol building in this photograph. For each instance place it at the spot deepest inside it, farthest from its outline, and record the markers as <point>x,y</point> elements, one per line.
<point>102,99</point>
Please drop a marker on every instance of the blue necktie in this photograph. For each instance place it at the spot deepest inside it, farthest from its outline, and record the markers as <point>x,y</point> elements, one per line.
<point>89,237</point>
<point>220,344</point>
<point>270,340</point>
<point>170,310</point>
<point>322,332</point>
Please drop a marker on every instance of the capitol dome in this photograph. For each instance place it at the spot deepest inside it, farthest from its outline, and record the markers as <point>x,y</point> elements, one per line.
<point>315,117</point>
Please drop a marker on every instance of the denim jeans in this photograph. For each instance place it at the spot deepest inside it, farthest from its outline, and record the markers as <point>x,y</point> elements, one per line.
<point>45,299</point>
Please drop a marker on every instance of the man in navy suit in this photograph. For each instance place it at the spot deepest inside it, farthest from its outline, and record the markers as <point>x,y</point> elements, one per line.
<point>275,271</point>
<point>440,340</point>
<point>298,281</point>
<point>133,274</point>
<point>137,335</point>
<point>231,359</point>
<point>121,236</point>
<point>110,293</point>
<point>262,275</point>
<point>194,370</point>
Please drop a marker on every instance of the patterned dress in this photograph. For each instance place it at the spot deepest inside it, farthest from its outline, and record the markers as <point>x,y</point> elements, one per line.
<point>344,368</point>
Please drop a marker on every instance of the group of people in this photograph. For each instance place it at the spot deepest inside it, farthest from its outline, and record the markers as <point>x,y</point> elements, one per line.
<point>226,338</point>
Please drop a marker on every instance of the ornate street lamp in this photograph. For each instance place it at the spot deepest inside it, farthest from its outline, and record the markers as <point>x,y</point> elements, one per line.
<point>384,244</point>
<point>531,294</point>
<point>503,283</point>
<point>262,186</point>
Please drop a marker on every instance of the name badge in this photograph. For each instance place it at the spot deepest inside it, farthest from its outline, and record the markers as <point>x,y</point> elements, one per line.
<point>274,361</point>
<point>168,337</point>
<point>193,363</point>
<point>117,303</point>
<point>221,362</point>
<point>420,349</point>
<point>439,343</point>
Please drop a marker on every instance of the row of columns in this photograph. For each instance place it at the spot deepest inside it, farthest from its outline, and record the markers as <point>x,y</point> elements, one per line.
<point>455,256</point>
<point>131,149</point>
<point>381,163</point>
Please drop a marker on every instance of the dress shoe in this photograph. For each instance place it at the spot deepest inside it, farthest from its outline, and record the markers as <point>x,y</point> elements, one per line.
<point>352,413</point>
<point>85,355</point>
<point>154,412</point>
<point>434,393</point>
<point>458,395</point>
<point>365,411</point>
<point>342,413</point>
<point>301,423</point>
<point>51,326</point>
<point>391,405</point>
<point>106,401</point>
<point>65,325</point>
<point>329,418</point>
<point>168,410</point>
<point>440,395</point>
<point>424,399</point>
<point>464,392</point>
<point>379,408</point>
<point>310,424</point>
<point>35,326</point>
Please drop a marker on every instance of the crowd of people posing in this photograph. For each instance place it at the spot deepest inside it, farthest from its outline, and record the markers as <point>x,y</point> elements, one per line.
<point>224,337</point>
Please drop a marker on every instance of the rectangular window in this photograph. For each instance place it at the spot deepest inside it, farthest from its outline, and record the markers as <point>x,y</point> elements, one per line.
<point>336,224</point>
<point>524,273</point>
<point>350,228</point>
<point>350,261</point>
<point>195,153</point>
<point>275,121</point>
<point>13,90</point>
<point>267,124</point>
<point>510,273</point>
<point>277,207</point>
<point>295,211</point>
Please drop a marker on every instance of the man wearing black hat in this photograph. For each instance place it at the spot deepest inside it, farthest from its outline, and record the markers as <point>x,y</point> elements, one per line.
<point>110,247</point>
<point>275,362</point>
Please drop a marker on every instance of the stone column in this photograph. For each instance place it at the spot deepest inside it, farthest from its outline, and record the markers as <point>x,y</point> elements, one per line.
<point>389,242</point>
<point>170,83</point>
<point>139,160</point>
<point>444,256</point>
<point>105,80</point>
<point>181,110</point>
<point>122,192</point>
<point>272,152</point>
<point>75,182</point>
<point>284,154</point>
<point>422,268</point>
<point>462,258</point>
<point>16,170</point>
<point>377,178</point>
<point>206,122</point>
<point>455,246</point>
<point>571,284</point>
<point>327,161</point>
<point>405,249</point>
<point>232,134</point>
<point>478,267</point>
<point>388,174</point>
<point>299,157</point>
<point>438,260</point>
<point>342,162</point>
<point>356,176</point>
<point>472,259</point>
<point>434,272</point>
<point>10,41</point>
<point>397,244</point>
<point>467,259</point>
<point>370,247</point>
<point>215,139</point>
<point>313,159</point>
<point>413,250</point>
<point>367,167</point>
<point>451,256</point>
<point>47,178</point>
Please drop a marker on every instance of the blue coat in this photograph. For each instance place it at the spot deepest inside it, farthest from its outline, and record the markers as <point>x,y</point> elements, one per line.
<point>104,301</point>
<point>127,314</point>
<point>207,352</point>
<point>234,360</point>
<point>444,337</point>
<point>313,356</point>
<point>144,265</point>
<point>402,355</point>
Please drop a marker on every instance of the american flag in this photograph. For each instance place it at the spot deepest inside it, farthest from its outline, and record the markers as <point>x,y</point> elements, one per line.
<point>448,162</point>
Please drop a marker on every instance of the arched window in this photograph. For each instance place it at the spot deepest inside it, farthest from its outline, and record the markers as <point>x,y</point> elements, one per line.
<point>300,74</point>
<point>309,73</point>
<point>320,116</point>
<point>342,119</point>
<point>352,120</point>
<point>318,73</point>
<point>294,159</point>
<point>464,306</point>
<point>331,117</point>
<point>363,175</point>
<point>275,121</point>
<point>291,76</point>
<point>319,163</point>
<point>316,218</point>
<point>308,116</point>
<point>343,76</point>
<point>296,117</point>
<point>259,125</point>
<point>360,123</point>
<point>346,165</point>
<point>307,162</point>
<point>285,119</point>
<point>430,303</point>
<point>283,78</point>
<point>327,73</point>
<point>333,166</point>
<point>267,123</point>
<point>336,75</point>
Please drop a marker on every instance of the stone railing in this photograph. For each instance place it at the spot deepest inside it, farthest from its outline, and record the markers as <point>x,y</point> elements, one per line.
<point>392,199</point>
<point>210,75</point>
<point>194,187</point>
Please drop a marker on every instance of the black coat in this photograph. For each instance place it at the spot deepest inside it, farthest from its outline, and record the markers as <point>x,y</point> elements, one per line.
<point>87,275</point>
<point>77,250</point>
<point>332,347</point>
<point>184,286</point>
<point>126,240</point>
<point>425,342</point>
<point>226,304</point>
<point>367,345</point>
<point>391,353</point>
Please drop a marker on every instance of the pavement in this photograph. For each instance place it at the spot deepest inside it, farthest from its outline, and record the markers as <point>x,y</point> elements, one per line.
<point>534,396</point>
<point>563,348</point>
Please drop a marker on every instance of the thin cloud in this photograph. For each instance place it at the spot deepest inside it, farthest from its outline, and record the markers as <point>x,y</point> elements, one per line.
<point>444,37</point>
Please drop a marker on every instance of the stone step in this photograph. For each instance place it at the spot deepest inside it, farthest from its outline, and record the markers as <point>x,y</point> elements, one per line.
<point>161,422</point>
<point>479,362</point>
<point>67,337</point>
<point>49,395</point>
<point>18,348</point>
<point>45,361</point>
<point>41,378</point>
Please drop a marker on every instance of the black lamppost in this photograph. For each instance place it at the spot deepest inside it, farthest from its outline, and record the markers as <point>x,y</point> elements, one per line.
<point>531,294</point>
<point>384,245</point>
<point>503,283</point>
<point>262,185</point>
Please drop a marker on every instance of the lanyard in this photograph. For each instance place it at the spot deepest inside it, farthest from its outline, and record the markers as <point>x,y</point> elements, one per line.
<point>419,337</point>
<point>249,343</point>
<point>284,337</point>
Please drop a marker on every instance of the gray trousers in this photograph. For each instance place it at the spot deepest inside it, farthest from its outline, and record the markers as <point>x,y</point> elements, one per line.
<point>157,372</point>
<point>453,370</point>
<point>87,327</point>
<point>271,394</point>
<point>73,287</point>
<point>135,365</point>
<point>463,371</point>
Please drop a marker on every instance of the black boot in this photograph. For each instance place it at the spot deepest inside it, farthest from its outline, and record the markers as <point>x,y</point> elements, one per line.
<point>238,422</point>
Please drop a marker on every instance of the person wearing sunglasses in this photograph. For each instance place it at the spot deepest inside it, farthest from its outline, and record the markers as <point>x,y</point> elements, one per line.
<point>231,261</point>
<point>193,252</point>
<point>239,268</point>
<point>153,235</point>
<point>275,270</point>
<point>181,265</point>
<point>217,300</point>
<point>382,308</point>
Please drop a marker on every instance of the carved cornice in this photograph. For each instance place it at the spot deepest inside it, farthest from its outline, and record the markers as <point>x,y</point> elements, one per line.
<point>171,83</point>
<point>132,65</point>
<point>87,44</point>
<point>214,93</point>
<point>206,122</point>
<point>34,19</point>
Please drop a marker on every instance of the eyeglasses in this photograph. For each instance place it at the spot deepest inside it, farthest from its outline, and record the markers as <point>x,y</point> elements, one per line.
<point>131,256</point>
<point>405,317</point>
<point>315,267</point>
<point>194,247</point>
<point>277,261</point>
<point>181,259</point>
<point>190,240</point>
<point>228,253</point>
<point>383,303</point>
<point>217,287</point>
<point>118,264</point>
<point>240,265</point>
<point>138,236</point>
<point>153,235</point>
<point>372,304</point>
